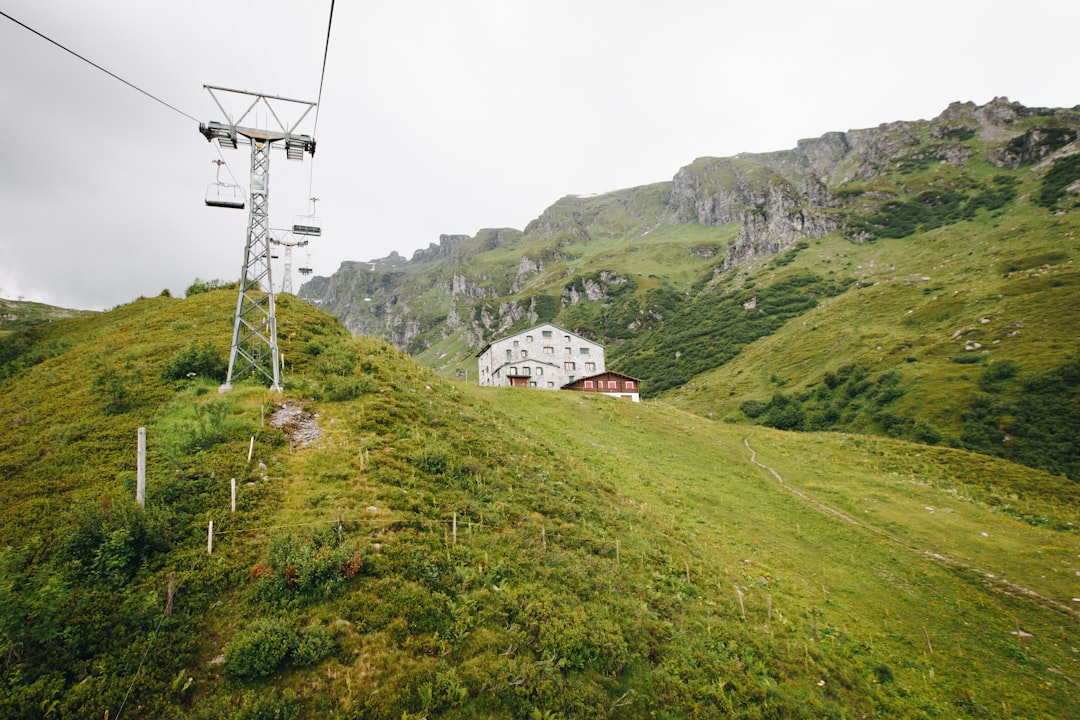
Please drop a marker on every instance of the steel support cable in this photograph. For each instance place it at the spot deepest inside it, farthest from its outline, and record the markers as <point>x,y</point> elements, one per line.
<point>94,64</point>
<point>318,100</point>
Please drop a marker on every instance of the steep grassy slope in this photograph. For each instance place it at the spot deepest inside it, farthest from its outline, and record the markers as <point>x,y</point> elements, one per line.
<point>450,551</point>
<point>938,325</point>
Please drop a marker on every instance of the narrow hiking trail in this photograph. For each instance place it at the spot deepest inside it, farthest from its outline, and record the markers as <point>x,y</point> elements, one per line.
<point>994,581</point>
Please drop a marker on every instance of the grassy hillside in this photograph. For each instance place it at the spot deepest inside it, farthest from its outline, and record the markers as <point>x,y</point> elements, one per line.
<point>947,336</point>
<point>19,315</point>
<point>442,550</point>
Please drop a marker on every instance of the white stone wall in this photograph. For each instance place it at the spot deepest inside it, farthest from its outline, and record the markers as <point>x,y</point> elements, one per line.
<point>550,356</point>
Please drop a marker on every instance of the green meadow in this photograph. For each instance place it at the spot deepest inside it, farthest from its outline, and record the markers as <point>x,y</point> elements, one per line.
<point>413,546</point>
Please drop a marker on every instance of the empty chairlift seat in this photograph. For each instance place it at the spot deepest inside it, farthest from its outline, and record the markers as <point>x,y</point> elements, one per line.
<point>307,225</point>
<point>224,195</point>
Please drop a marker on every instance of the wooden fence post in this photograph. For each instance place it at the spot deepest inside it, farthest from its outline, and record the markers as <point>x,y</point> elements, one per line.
<point>768,606</point>
<point>455,528</point>
<point>169,596</point>
<point>340,532</point>
<point>618,557</point>
<point>251,448</point>
<point>232,496</point>
<point>140,483</point>
<point>742,608</point>
<point>543,536</point>
<point>210,538</point>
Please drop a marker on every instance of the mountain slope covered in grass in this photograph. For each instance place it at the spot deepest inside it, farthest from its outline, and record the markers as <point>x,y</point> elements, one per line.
<point>404,546</point>
<point>914,280</point>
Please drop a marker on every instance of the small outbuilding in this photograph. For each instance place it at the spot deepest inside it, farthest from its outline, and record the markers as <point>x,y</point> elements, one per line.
<point>608,383</point>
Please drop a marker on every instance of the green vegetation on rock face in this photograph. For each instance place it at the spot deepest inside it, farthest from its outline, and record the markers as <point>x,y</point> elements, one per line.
<point>712,330</point>
<point>406,547</point>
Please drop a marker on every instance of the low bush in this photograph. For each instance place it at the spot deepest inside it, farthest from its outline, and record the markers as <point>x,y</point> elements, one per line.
<point>196,360</point>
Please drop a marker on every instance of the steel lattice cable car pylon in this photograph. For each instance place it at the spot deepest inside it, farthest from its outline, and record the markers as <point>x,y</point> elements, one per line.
<point>254,341</point>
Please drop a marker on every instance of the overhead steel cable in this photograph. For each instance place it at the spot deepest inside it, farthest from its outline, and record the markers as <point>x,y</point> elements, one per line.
<point>318,100</point>
<point>322,75</point>
<point>94,64</point>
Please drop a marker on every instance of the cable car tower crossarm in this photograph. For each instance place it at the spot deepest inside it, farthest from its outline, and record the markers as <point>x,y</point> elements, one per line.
<point>254,342</point>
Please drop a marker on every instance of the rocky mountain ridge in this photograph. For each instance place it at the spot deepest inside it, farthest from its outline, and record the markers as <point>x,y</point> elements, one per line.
<point>465,290</point>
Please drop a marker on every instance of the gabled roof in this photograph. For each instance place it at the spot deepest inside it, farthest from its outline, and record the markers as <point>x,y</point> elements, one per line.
<point>526,331</point>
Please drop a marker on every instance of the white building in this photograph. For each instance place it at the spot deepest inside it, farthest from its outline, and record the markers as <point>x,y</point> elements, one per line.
<point>545,356</point>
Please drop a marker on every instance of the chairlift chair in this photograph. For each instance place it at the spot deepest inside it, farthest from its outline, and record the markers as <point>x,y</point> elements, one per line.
<point>308,224</point>
<point>222,194</point>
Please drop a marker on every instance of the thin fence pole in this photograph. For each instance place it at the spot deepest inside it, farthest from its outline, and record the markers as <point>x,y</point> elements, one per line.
<point>232,495</point>
<point>926,634</point>
<point>140,483</point>
<point>455,528</point>
<point>618,557</point>
<point>251,448</point>
<point>340,531</point>
<point>210,538</point>
<point>768,606</point>
<point>543,536</point>
<point>742,608</point>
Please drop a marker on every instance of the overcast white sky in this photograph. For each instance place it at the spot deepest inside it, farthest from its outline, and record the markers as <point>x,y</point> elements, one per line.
<point>446,116</point>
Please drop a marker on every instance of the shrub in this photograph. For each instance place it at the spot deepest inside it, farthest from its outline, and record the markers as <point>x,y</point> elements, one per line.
<point>113,388</point>
<point>197,359</point>
<point>1061,175</point>
<point>996,373</point>
<point>110,542</point>
<point>753,408</point>
<point>260,649</point>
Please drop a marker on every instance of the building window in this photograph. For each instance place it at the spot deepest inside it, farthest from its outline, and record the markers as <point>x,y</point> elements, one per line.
<point>545,333</point>
<point>548,350</point>
<point>528,338</point>
<point>566,338</point>
<point>551,384</point>
<point>590,366</point>
<point>539,370</point>
<point>524,353</point>
<point>583,351</point>
<point>527,370</point>
<point>612,384</point>
<point>569,366</point>
<point>532,383</point>
<point>567,350</point>
<point>509,353</point>
<point>571,378</point>
<point>512,371</point>
<point>515,343</point>
<point>588,384</point>
<point>629,384</point>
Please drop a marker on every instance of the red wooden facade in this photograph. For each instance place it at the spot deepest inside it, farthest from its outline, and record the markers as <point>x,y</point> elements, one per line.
<point>608,383</point>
